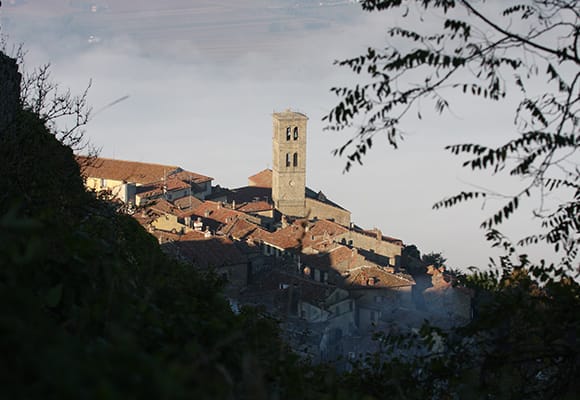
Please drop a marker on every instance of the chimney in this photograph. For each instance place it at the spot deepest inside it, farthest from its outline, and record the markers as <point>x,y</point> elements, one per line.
<point>206,213</point>
<point>207,232</point>
<point>219,205</point>
<point>198,225</point>
<point>233,204</point>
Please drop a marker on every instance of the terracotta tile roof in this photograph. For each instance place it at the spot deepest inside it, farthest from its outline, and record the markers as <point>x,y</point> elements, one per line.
<point>187,202</point>
<point>297,235</point>
<point>216,251</point>
<point>162,206</point>
<point>166,237</point>
<point>240,229</point>
<point>134,171</point>
<point>285,239</point>
<point>335,257</point>
<point>215,211</point>
<point>374,277</point>
<point>261,192</point>
<point>156,188</point>
<point>325,227</point>
<point>150,212</point>
<point>128,171</point>
<point>188,176</point>
<point>255,206</point>
<point>261,179</point>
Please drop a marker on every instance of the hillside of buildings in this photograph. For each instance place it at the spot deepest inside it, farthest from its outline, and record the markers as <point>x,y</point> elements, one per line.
<point>282,245</point>
<point>92,308</point>
<point>156,282</point>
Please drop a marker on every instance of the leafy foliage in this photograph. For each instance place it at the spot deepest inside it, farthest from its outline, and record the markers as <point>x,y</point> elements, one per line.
<point>520,344</point>
<point>522,341</point>
<point>478,51</point>
<point>433,258</point>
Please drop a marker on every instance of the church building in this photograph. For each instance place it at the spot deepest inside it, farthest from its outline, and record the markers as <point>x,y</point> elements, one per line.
<point>289,163</point>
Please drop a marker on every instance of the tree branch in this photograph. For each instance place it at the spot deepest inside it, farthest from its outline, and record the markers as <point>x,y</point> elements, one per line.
<point>563,54</point>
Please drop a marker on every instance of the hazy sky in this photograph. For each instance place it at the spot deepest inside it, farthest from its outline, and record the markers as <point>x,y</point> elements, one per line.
<point>203,78</point>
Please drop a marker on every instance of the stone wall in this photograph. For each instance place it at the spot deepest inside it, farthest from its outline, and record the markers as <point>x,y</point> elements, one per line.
<point>9,91</point>
<point>372,243</point>
<point>320,210</point>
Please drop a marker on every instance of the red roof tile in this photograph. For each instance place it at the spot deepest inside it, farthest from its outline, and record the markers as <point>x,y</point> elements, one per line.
<point>261,179</point>
<point>216,251</point>
<point>133,171</point>
<point>157,188</point>
<point>215,211</point>
<point>375,277</point>
<point>162,206</point>
<point>187,202</point>
<point>255,206</point>
<point>302,234</point>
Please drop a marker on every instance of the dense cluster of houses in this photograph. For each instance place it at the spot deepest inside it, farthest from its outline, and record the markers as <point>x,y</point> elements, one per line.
<point>286,248</point>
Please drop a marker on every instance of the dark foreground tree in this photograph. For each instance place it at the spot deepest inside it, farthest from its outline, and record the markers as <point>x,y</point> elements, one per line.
<point>90,307</point>
<point>462,49</point>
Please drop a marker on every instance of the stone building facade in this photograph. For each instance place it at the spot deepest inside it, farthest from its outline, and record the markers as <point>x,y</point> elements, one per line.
<point>289,163</point>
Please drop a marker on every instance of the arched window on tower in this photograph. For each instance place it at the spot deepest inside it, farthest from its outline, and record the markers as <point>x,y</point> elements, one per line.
<point>295,133</point>
<point>295,159</point>
<point>287,159</point>
<point>288,129</point>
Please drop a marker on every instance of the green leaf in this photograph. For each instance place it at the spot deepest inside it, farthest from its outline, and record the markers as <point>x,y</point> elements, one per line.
<point>53,296</point>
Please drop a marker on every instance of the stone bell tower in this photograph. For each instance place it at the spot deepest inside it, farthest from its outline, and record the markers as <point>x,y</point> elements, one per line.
<point>289,163</point>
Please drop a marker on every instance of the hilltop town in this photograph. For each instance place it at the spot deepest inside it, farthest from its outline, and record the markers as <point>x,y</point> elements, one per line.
<point>283,246</point>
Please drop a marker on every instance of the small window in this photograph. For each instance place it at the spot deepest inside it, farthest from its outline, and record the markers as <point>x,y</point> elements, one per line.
<point>287,159</point>
<point>295,133</point>
<point>295,161</point>
<point>288,129</point>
